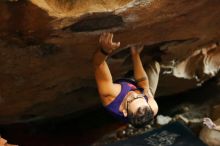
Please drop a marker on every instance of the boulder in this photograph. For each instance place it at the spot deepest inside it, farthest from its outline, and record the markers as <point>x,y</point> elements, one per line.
<point>46,48</point>
<point>215,112</point>
<point>163,120</point>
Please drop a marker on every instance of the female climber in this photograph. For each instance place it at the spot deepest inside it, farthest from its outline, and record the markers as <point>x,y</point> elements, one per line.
<point>130,101</point>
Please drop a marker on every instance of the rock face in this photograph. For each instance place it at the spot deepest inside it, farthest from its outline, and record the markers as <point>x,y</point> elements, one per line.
<point>215,112</point>
<point>77,8</point>
<point>46,48</point>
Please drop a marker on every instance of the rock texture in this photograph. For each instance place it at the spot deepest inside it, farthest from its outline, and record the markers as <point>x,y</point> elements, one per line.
<point>46,48</point>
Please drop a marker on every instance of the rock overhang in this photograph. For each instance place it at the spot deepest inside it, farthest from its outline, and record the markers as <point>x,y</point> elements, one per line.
<point>47,47</point>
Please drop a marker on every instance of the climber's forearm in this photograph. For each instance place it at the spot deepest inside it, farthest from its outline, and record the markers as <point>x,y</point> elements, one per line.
<point>139,72</point>
<point>98,58</point>
<point>103,75</point>
<point>102,72</point>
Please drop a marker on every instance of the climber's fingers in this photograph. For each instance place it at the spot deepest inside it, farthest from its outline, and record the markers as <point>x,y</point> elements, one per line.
<point>137,49</point>
<point>109,39</point>
<point>106,40</point>
<point>116,45</point>
<point>101,39</point>
<point>105,37</point>
<point>140,48</point>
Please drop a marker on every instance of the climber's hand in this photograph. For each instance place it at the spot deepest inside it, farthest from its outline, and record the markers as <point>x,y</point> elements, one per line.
<point>136,49</point>
<point>107,44</point>
<point>208,122</point>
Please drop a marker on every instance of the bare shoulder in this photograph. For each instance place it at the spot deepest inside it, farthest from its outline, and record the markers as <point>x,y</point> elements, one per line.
<point>106,100</point>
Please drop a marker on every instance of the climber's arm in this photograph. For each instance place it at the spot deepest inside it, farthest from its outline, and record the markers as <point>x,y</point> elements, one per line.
<point>139,72</point>
<point>103,76</point>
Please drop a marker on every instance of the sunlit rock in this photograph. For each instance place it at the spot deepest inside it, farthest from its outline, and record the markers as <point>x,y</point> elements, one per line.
<point>46,48</point>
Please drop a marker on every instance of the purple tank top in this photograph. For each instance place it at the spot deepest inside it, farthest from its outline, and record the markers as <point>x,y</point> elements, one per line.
<point>113,107</point>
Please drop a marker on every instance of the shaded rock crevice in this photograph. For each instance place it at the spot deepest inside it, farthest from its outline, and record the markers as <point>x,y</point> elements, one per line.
<point>95,22</point>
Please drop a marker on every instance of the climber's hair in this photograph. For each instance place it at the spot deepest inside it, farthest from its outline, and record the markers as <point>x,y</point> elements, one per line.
<point>142,117</point>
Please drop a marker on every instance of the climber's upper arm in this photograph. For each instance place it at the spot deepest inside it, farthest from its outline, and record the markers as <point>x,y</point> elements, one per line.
<point>104,81</point>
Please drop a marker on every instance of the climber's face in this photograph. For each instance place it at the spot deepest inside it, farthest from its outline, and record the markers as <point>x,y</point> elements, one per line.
<point>138,111</point>
<point>133,102</point>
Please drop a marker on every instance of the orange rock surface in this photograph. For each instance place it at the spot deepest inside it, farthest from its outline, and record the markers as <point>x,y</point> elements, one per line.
<point>46,48</point>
